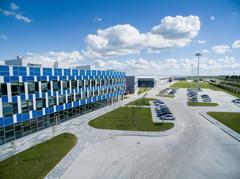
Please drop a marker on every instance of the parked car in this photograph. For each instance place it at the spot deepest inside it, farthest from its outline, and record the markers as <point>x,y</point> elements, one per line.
<point>236,101</point>
<point>167,117</point>
<point>162,111</point>
<point>206,98</point>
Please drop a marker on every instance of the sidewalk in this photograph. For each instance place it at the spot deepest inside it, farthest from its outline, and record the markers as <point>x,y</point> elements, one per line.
<point>226,129</point>
<point>30,140</point>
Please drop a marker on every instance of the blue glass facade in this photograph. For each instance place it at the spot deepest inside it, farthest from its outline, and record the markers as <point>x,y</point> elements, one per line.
<point>34,98</point>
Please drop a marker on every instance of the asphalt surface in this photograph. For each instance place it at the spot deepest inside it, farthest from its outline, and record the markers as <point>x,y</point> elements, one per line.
<point>196,150</point>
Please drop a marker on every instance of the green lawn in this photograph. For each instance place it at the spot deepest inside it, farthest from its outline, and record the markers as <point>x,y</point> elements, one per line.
<point>39,160</point>
<point>129,118</point>
<point>201,104</point>
<point>166,95</point>
<point>230,119</point>
<point>141,102</point>
<point>143,90</point>
<point>186,84</point>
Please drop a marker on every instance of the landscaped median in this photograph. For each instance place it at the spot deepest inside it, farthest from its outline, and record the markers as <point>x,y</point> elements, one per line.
<point>39,160</point>
<point>131,119</point>
<point>202,104</point>
<point>141,102</point>
<point>166,95</point>
<point>230,119</point>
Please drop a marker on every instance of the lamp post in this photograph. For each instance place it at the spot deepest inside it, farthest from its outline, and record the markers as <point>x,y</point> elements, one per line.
<point>192,76</point>
<point>198,55</point>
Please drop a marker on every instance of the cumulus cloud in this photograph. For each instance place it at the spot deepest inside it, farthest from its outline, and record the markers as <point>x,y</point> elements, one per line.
<point>212,18</point>
<point>125,39</point>
<point>178,27</point>
<point>115,40</point>
<point>13,6</point>
<point>15,14</point>
<point>221,49</point>
<point>236,44</point>
<point>65,59</point>
<point>171,66</point>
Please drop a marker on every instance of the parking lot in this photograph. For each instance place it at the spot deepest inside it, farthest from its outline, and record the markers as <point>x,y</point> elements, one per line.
<point>194,148</point>
<point>160,111</point>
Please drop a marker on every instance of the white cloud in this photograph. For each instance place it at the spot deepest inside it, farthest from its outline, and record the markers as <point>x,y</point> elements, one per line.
<point>11,12</point>
<point>3,36</point>
<point>140,66</point>
<point>178,27</point>
<point>6,12</point>
<point>125,39</point>
<point>65,59</point>
<point>236,44</point>
<point>205,51</point>
<point>13,6</point>
<point>115,40</point>
<point>221,49</point>
<point>23,18</point>
<point>201,41</point>
<point>97,19</point>
<point>212,18</point>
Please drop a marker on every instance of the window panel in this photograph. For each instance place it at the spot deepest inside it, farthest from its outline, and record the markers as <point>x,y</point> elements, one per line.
<point>31,87</point>
<point>3,89</point>
<point>24,105</point>
<point>44,86</point>
<point>7,109</point>
<point>39,103</point>
<point>15,89</point>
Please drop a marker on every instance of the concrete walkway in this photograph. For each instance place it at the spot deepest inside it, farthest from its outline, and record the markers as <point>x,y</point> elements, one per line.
<point>223,127</point>
<point>194,148</point>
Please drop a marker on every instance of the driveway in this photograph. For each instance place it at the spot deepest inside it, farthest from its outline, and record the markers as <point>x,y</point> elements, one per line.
<point>196,149</point>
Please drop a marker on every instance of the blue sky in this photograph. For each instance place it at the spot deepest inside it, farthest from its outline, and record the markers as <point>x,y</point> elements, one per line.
<point>49,30</point>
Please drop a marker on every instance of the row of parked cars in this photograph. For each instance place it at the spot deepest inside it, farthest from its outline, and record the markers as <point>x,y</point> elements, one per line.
<point>163,111</point>
<point>192,95</point>
<point>206,98</point>
<point>169,91</point>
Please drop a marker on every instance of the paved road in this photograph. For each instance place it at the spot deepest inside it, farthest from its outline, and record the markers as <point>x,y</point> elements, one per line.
<point>197,149</point>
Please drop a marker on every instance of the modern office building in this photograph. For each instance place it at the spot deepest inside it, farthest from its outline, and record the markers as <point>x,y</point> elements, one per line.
<point>131,84</point>
<point>146,81</point>
<point>34,98</point>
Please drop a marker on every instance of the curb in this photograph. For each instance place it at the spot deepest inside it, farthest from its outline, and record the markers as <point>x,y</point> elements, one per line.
<point>224,128</point>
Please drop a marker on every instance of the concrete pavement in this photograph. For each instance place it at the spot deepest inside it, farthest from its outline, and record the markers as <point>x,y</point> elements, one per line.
<point>196,149</point>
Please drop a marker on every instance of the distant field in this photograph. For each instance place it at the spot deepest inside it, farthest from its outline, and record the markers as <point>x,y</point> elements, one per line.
<point>38,160</point>
<point>230,119</point>
<point>143,90</point>
<point>131,119</point>
<point>201,104</point>
<point>186,84</point>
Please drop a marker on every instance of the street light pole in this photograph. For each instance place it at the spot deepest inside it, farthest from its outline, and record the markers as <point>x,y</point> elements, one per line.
<point>198,55</point>
<point>192,76</point>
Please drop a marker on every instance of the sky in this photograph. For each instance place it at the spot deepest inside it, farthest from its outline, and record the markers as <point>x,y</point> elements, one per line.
<point>141,37</point>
